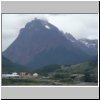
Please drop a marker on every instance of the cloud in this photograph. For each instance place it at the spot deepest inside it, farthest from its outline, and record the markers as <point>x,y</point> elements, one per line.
<point>79,25</point>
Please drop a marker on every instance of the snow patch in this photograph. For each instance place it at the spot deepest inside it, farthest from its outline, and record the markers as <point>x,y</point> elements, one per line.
<point>88,44</point>
<point>46,26</point>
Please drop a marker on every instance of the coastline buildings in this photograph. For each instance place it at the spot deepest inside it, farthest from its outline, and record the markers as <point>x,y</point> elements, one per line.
<point>20,75</point>
<point>14,74</point>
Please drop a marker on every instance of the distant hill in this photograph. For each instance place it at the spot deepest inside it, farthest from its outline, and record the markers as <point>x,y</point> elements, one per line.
<point>89,46</point>
<point>8,66</point>
<point>88,69</point>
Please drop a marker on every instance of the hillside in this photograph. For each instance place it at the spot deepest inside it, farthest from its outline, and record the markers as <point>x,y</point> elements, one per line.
<point>87,71</point>
<point>8,66</point>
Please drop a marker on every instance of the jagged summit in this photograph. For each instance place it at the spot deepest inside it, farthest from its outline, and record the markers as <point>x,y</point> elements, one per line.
<point>38,23</point>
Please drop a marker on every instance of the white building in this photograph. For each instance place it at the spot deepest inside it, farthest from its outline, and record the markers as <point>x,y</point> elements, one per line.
<point>35,75</point>
<point>10,75</point>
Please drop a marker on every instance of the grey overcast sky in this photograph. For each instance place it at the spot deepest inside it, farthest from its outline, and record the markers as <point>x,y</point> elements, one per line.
<point>79,25</point>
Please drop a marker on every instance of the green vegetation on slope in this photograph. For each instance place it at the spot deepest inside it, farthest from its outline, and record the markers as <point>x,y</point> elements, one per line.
<point>87,71</point>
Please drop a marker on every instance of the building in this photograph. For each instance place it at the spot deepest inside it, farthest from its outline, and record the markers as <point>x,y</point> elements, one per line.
<point>25,74</point>
<point>13,75</point>
<point>35,75</point>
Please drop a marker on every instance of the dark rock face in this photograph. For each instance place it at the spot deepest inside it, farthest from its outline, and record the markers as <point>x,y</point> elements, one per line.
<point>41,43</point>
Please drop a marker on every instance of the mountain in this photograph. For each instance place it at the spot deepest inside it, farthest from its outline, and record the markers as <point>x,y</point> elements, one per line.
<point>88,46</point>
<point>40,43</point>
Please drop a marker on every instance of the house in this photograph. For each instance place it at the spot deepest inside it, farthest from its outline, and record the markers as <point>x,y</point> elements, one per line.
<point>22,74</point>
<point>13,75</point>
<point>35,75</point>
<point>25,74</point>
